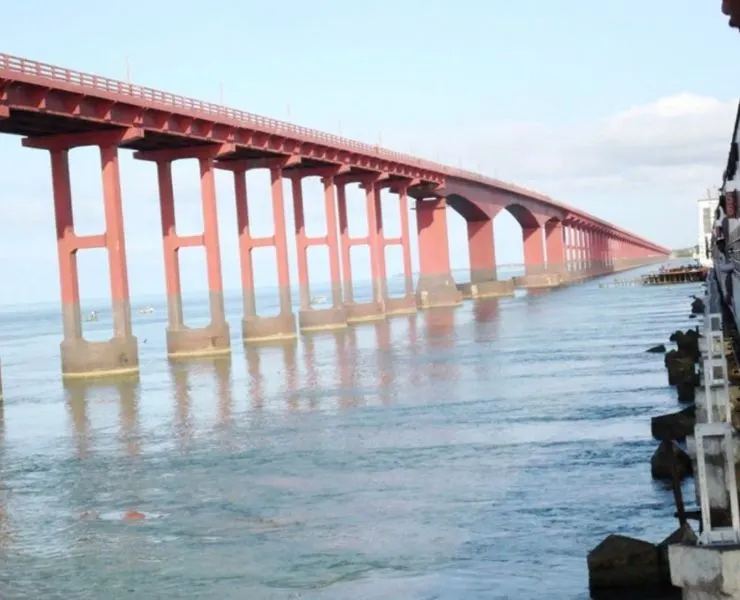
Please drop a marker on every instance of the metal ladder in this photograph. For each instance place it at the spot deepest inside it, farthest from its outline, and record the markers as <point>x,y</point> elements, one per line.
<point>717,404</point>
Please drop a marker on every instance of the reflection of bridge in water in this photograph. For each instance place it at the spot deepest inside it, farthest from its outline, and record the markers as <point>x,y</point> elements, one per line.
<point>377,363</point>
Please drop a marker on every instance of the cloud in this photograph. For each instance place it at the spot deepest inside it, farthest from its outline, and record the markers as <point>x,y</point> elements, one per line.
<point>642,168</point>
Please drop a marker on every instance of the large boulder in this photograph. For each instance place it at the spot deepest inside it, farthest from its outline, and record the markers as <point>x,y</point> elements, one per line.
<point>687,343</point>
<point>686,390</point>
<point>623,562</point>
<point>680,367</point>
<point>659,349</point>
<point>661,464</point>
<point>674,426</point>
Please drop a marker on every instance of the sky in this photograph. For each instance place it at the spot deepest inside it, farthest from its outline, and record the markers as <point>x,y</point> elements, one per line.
<point>623,108</point>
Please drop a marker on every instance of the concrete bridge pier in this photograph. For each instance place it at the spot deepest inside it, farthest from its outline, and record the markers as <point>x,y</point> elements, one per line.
<point>359,312</point>
<point>184,341</point>
<point>281,327</point>
<point>482,255</point>
<point>555,245</point>
<point>312,319</point>
<point>81,358</point>
<point>406,304</point>
<point>435,287</point>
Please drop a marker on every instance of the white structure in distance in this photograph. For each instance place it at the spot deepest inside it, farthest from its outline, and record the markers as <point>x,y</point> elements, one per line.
<point>707,206</point>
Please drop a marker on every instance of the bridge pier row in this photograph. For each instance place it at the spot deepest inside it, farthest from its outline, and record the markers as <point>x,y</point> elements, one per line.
<point>406,304</point>
<point>281,327</point>
<point>183,341</point>
<point>359,312</point>
<point>81,358</point>
<point>324,319</point>
<point>435,287</point>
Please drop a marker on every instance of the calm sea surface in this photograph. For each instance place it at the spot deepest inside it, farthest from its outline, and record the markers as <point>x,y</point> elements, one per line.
<point>473,453</point>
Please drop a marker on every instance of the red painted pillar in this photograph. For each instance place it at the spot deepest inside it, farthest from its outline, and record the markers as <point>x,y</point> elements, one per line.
<point>435,286</point>
<point>406,242</point>
<point>482,251</point>
<point>170,244</point>
<point>534,256</point>
<point>375,240</point>
<point>555,242</point>
<point>281,239</point>
<point>184,341</point>
<point>79,357</point>
<point>406,304</point>
<point>301,245</point>
<point>332,236</point>
<point>245,244</point>
<point>375,309</point>
<point>569,251</point>
<point>344,244</point>
<point>310,319</point>
<point>257,328</point>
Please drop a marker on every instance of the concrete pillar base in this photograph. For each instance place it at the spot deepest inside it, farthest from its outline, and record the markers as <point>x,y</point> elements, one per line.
<point>185,342</point>
<point>114,358</point>
<point>705,572</point>
<point>322,319</point>
<point>405,305</point>
<point>280,328</point>
<point>487,289</point>
<point>538,281</point>
<point>364,312</point>
<point>437,291</point>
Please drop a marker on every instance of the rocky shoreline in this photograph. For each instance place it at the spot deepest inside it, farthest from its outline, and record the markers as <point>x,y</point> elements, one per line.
<point>622,565</point>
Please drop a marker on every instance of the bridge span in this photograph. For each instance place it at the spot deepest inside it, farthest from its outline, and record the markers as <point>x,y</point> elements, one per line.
<point>57,109</point>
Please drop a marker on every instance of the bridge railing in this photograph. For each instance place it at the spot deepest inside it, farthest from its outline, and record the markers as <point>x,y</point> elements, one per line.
<point>85,81</point>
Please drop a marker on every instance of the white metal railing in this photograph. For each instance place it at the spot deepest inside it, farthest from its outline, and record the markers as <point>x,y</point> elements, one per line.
<point>11,67</point>
<point>718,429</point>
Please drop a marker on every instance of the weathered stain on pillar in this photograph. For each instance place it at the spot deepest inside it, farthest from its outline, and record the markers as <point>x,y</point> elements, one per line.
<point>435,287</point>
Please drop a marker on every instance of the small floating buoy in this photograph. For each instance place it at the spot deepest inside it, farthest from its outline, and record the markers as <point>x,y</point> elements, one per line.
<point>133,515</point>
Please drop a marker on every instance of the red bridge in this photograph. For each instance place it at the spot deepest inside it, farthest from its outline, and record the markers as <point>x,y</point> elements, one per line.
<point>57,110</point>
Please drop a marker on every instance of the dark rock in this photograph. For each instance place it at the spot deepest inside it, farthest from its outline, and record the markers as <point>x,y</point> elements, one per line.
<point>682,535</point>
<point>663,458</point>
<point>692,316</point>
<point>623,562</point>
<point>674,426</point>
<point>688,343</point>
<point>659,349</point>
<point>680,367</point>
<point>686,390</point>
<point>697,306</point>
